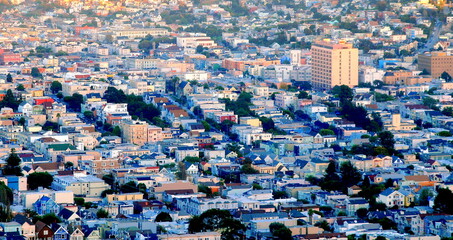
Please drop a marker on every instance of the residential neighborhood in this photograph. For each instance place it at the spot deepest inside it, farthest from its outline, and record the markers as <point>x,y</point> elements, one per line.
<point>226,120</point>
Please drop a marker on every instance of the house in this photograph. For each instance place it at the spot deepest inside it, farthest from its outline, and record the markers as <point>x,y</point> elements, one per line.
<point>391,197</point>
<point>60,232</point>
<point>353,204</point>
<point>184,88</point>
<point>46,205</point>
<point>28,228</point>
<point>43,232</point>
<point>68,216</point>
<point>191,168</point>
<point>75,233</point>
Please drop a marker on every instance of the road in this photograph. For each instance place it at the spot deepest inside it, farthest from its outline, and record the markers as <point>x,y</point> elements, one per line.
<point>433,38</point>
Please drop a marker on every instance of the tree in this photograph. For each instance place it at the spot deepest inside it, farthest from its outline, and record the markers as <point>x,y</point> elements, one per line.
<point>446,76</point>
<point>9,100</point>
<point>303,95</point>
<point>280,231</point>
<point>88,115</point>
<point>387,141</point>
<point>182,173</point>
<point>424,197</point>
<point>444,134</point>
<point>36,73</point>
<point>39,179</point>
<point>442,202</point>
<point>362,213</point>
<point>247,168</point>
<point>129,187</point>
<point>343,92</point>
<point>13,164</point>
<point>113,95</point>
<point>47,218</point>
<point>448,111</point>
<point>79,201</point>
<point>163,217</point>
<point>325,132</point>
<point>117,131</point>
<point>217,220</point>
<point>55,87</point>
<point>324,225</point>
<point>267,123</point>
<point>74,101</point>
<point>430,102</point>
<point>9,78</point>
<point>101,213</point>
<point>350,175</point>
<point>192,159</point>
<point>20,88</point>
<point>331,171</point>
<point>199,49</point>
<point>279,194</point>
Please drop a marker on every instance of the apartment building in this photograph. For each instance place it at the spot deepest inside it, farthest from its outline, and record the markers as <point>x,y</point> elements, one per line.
<point>334,63</point>
<point>435,63</point>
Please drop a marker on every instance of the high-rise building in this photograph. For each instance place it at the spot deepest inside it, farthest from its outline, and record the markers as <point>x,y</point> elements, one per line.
<point>435,63</point>
<point>334,63</point>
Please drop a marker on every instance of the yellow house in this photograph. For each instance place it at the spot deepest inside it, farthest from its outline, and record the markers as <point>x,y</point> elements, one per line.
<point>124,197</point>
<point>270,169</point>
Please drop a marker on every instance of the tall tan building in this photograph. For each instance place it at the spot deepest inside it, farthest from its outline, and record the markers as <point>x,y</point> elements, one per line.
<point>435,63</point>
<point>334,63</point>
<point>135,132</point>
<point>140,132</point>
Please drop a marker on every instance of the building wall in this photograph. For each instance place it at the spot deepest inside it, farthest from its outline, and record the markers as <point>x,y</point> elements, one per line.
<point>334,64</point>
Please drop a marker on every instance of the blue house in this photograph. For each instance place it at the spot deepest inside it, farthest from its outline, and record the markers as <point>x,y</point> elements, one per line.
<point>46,205</point>
<point>60,232</point>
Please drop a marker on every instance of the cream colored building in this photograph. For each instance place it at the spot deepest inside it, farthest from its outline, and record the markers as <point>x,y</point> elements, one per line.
<point>124,197</point>
<point>80,184</point>
<point>197,236</point>
<point>334,63</point>
<point>135,132</point>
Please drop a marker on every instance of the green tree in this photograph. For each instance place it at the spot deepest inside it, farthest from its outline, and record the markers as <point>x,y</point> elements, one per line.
<point>79,201</point>
<point>74,101</point>
<point>331,179</point>
<point>163,217</point>
<point>9,78</point>
<point>13,164</point>
<point>448,111</point>
<point>267,123</point>
<point>343,92</point>
<point>442,202</point>
<point>129,187</point>
<point>55,87</point>
<point>424,197</point>
<point>117,131</point>
<point>181,174</point>
<point>350,175</point>
<point>280,231</point>
<point>36,73</point>
<point>325,132</point>
<point>47,218</point>
<point>10,101</point>
<point>217,220</point>
<point>279,194</point>
<point>39,179</point>
<point>444,134</point>
<point>101,213</point>
<point>89,115</point>
<point>303,95</point>
<point>446,77</point>
<point>387,141</point>
<point>430,102</point>
<point>20,88</point>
